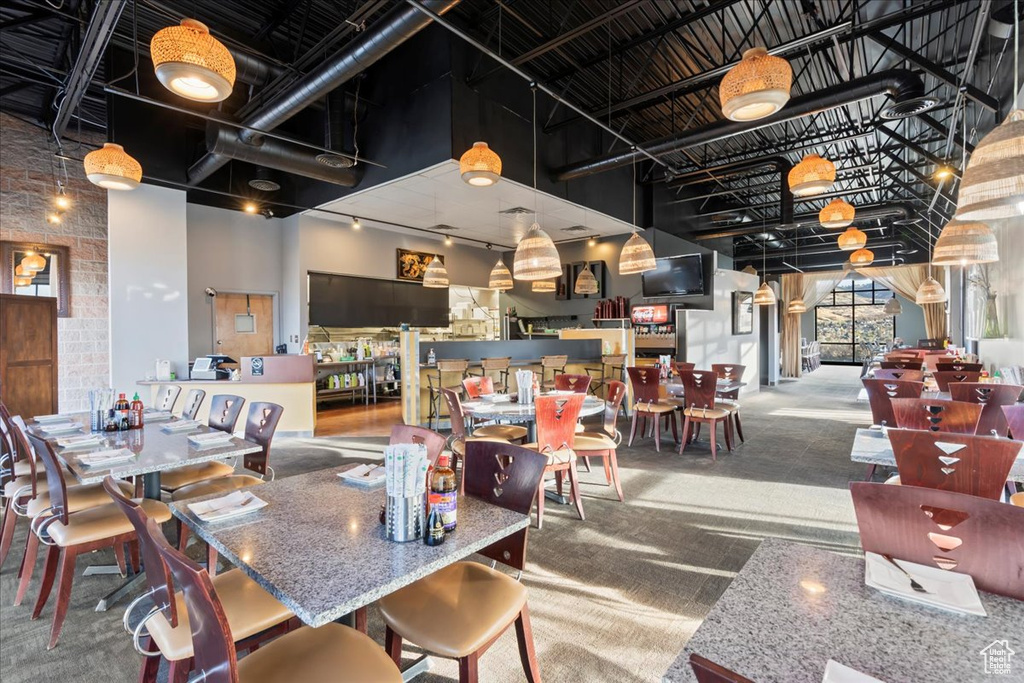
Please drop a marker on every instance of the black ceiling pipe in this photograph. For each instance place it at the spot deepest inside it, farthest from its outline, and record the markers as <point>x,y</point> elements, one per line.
<point>830,249</point>
<point>803,220</point>
<point>778,164</point>
<point>390,31</point>
<point>903,86</point>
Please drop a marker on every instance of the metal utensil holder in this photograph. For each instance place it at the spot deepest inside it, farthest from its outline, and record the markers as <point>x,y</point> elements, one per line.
<point>405,518</point>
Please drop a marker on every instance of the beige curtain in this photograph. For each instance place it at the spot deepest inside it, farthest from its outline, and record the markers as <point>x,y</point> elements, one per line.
<point>905,281</point>
<point>812,288</point>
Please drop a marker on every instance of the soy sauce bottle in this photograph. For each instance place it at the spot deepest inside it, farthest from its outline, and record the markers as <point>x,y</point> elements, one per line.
<point>435,528</point>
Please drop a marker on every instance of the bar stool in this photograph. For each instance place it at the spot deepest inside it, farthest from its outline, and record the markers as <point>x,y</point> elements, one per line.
<point>436,382</point>
<point>612,368</point>
<point>556,364</point>
<point>500,367</point>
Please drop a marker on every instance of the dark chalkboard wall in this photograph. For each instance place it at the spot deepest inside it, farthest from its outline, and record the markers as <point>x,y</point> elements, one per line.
<point>345,301</point>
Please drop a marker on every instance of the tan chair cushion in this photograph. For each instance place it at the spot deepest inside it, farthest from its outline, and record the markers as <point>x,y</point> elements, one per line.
<point>1017,499</point>
<point>592,441</point>
<point>23,468</point>
<point>655,407</point>
<point>219,485</point>
<point>555,457</point>
<point>710,413</point>
<point>455,610</point>
<point>507,432</point>
<point>894,479</point>
<point>249,609</point>
<point>12,487</point>
<point>723,402</point>
<point>80,497</point>
<point>459,448</point>
<point>330,653</point>
<point>172,480</point>
<point>580,428</point>
<point>104,521</point>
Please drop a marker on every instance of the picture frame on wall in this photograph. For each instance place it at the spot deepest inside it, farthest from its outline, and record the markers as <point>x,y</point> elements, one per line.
<point>564,283</point>
<point>413,264</point>
<point>742,312</point>
<point>598,269</point>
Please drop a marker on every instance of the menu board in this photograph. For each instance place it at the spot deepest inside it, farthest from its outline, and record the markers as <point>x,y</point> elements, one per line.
<point>650,315</point>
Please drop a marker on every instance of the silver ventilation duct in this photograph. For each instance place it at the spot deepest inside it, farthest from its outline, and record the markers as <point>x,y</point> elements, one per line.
<point>264,181</point>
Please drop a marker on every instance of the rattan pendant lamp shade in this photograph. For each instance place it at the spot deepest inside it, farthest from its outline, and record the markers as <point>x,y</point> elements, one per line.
<point>930,292</point>
<point>852,239</point>
<point>112,168</point>
<point>813,175</point>
<point>636,256</point>
<point>764,296</point>
<point>586,283</point>
<point>993,183</point>
<point>501,277</point>
<point>22,281</point>
<point>965,242</point>
<point>536,256</point>
<point>33,263</point>
<point>893,306</point>
<point>190,62</point>
<point>480,166</point>
<point>797,306</point>
<point>861,258</point>
<point>545,286</point>
<point>838,214</point>
<point>436,275</point>
<point>756,87</point>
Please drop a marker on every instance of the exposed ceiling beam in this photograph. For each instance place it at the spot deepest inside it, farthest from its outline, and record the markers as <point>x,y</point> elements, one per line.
<point>33,18</point>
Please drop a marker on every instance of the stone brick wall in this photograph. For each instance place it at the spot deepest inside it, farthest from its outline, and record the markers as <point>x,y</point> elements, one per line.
<point>26,195</point>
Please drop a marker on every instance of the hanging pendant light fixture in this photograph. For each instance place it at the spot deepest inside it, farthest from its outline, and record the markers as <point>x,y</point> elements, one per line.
<point>893,306</point>
<point>112,168</point>
<point>536,255</point>
<point>813,175</point>
<point>501,277</point>
<point>33,263</point>
<point>586,283</point>
<point>436,275</point>
<point>545,286</point>
<point>22,281</point>
<point>764,296</point>
<point>480,166</point>
<point>636,255</point>
<point>852,239</point>
<point>861,258</point>
<point>749,270</point>
<point>965,242</point>
<point>838,214</point>
<point>797,305</point>
<point>20,271</point>
<point>930,291</point>
<point>756,87</point>
<point>190,62</point>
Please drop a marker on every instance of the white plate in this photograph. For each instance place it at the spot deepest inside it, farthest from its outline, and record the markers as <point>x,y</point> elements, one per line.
<point>182,426</point>
<point>106,458</point>
<point>73,443</point>
<point>232,505</point>
<point>157,416</point>
<point>355,475</point>
<point>50,419</point>
<point>946,590</point>
<point>837,673</point>
<point>210,440</point>
<point>60,429</point>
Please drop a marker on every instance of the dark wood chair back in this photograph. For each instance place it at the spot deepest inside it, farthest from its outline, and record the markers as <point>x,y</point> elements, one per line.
<point>975,465</point>
<point>936,415</point>
<point>645,382</point>
<point>707,671</point>
<point>556,421</point>
<point>1015,419</point>
<point>458,418</point>
<point>260,426</point>
<point>880,395</point>
<point>729,371</point>
<point>433,441</point>
<point>19,434</point>
<point>906,375</point>
<point>681,367</point>
<point>992,397</point>
<point>57,487</point>
<point>943,378</point>
<point>902,364</point>
<point>699,388</point>
<point>576,383</point>
<point>508,476</point>
<point>478,386</point>
<point>193,400</point>
<point>224,412</point>
<point>952,531</point>
<point>166,395</point>
<point>612,403</point>
<point>955,366</point>
<point>904,354</point>
<point>7,445</point>
<point>929,343</point>
<point>158,576</point>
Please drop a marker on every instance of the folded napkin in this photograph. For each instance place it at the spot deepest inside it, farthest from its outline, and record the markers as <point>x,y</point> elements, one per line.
<point>182,426</point>
<point>110,456</point>
<point>60,428</point>
<point>50,419</point>
<point>70,443</point>
<point>231,505</point>
<point>157,416</point>
<point>837,673</point>
<point>209,439</point>
<point>365,475</point>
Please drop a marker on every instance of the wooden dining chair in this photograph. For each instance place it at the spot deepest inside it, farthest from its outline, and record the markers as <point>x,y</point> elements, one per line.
<point>497,369</point>
<point>648,405</point>
<point>992,397</point>
<point>434,443</point>
<point>1015,420</point>
<point>943,378</point>
<point>488,601</point>
<point>929,343</point>
<point>952,531</point>
<point>905,375</point>
<point>612,367</point>
<point>554,364</point>
<point>964,463</point>
<point>311,655</point>
<point>556,432</point>
<point>9,455</point>
<point>901,365</point>
<point>575,383</point>
<point>459,438</point>
<point>193,401</point>
<point>475,387</point>
<point>880,395</point>
<point>733,373</point>
<point>448,373</point>
<point>707,671</point>
<point>903,354</point>
<point>958,366</point>
<point>252,613</point>
<point>699,394</point>
<point>679,367</point>
<point>166,396</point>
<point>931,358</point>
<point>70,534</point>
<point>602,444</point>
<point>936,415</point>
<point>224,412</point>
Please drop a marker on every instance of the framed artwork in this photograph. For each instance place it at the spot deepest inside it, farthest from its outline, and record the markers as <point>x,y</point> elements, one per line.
<point>598,269</point>
<point>742,313</point>
<point>36,269</point>
<point>412,264</point>
<point>564,284</point>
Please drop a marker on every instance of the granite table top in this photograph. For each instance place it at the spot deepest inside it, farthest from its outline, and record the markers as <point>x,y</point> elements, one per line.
<point>319,548</point>
<point>155,451</point>
<point>793,607</point>
<point>506,410</point>
<point>872,446</point>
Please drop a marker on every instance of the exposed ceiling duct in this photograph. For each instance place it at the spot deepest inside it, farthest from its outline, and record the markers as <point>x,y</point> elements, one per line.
<point>390,31</point>
<point>864,213</point>
<point>814,251</point>
<point>904,87</point>
<point>778,164</point>
<point>264,181</point>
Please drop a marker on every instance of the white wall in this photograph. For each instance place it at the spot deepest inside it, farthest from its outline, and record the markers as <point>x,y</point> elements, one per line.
<point>1007,281</point>
<point>148,283</point>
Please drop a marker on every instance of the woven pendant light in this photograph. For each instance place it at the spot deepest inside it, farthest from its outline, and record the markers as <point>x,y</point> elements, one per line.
<point>637,256</point>
<point>930,292</point>
<point>861,258</point>
<point>838,214</point>
<point>480,166</point>
<point>436,275</point>
<point>33,263</point>
<point>813,175</point>
<point>190,62</point>
<point>964,242</point>
<point>756,87</point>
<point>993,182</point>
<point>749,270</point>
<point>112,168</point>
<point>22,281</point>
<point>546,286</point>
<point>536,256</point>
<point>893,306</point>
<point>21,271</point>
<point>852,239</point>
<point>501,277</point>
<point>764,296</point>
<point>797,306</point>
<point>586,283</point>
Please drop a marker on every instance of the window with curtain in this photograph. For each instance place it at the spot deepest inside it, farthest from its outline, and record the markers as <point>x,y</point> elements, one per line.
<point>851,315</point>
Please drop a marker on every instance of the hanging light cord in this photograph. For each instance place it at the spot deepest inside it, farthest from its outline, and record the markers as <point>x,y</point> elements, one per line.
<point>1016,51</point>
<point>633,188</point>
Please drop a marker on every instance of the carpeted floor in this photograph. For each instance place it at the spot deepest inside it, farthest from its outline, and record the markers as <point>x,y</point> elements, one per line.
<point>613,598</point>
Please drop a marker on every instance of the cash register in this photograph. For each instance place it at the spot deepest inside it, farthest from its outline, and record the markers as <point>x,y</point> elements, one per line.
<point>208,368</point>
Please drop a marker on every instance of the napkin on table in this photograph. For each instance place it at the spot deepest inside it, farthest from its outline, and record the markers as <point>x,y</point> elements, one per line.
<point>232,505</point>
<point>110,456</point>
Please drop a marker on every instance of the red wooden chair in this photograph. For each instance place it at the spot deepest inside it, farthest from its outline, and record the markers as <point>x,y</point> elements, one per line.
<point>944,378</point>
<point>1015,419</point>
<point>952,531</point>
<point>958,366</point>
<point>992,397</point>
<point>905,375</point>
<point>975,465</point>
<point>556,433</point>
<point>733,373</point>
<point>707,671</point>
<point>648,405</point>
<point>602,444</point>
<point>575,383</point>
<point>699,389</point>
<point>434,442</point>
<point>680,367</point>
<point>936,415</point>
<point>478,386</point>
<point>901,364</point>
<point>904,354</point>
<point>880,395</point>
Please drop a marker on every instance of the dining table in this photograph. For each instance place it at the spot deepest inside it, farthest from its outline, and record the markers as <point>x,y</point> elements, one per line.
<point>506,410</point>
<point>319,547</point>
<point>794,607</point>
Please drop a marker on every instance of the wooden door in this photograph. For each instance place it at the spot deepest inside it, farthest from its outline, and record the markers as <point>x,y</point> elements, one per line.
<point>244,325</point>
<point>28,354</point>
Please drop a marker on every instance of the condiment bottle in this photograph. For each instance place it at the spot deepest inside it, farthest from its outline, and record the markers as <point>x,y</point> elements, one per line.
<point>443,495</point>
<point>135,412</point>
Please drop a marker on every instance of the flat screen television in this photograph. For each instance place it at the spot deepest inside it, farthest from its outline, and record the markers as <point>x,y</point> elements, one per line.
<point>675,276</point>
